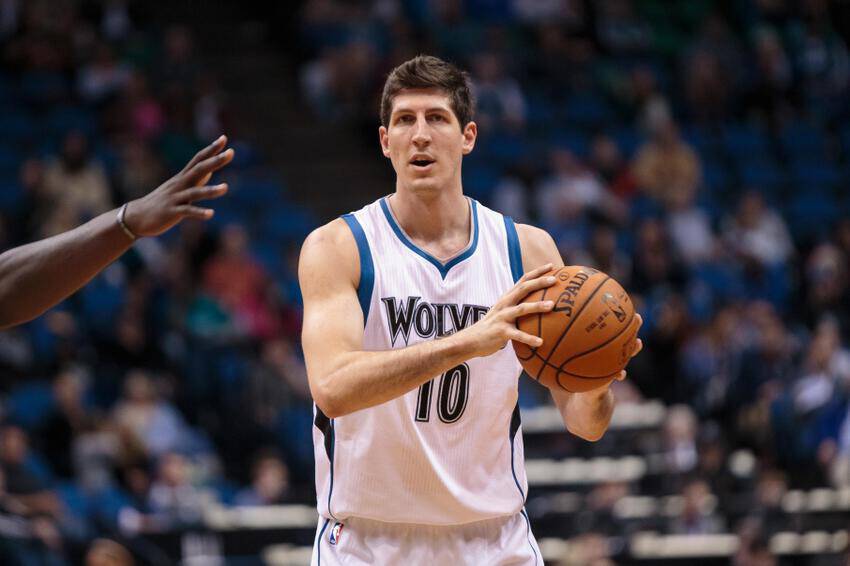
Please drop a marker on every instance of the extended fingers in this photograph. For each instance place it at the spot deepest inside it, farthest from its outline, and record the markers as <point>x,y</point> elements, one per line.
<point>202,193</point>
<point>207,167</point>
<point>189,211</point>
<point>212,149</point>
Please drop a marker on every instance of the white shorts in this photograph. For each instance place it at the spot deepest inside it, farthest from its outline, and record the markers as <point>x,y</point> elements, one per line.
<point>503,541</point>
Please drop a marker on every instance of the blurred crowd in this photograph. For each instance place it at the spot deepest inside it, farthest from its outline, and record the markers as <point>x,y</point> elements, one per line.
<point>696,151</point>
<point>172,382</point>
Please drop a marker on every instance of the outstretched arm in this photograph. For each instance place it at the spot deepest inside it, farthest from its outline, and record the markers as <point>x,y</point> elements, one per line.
<point>343,376</point>
<point>587,414</point>
<point>36,276</point>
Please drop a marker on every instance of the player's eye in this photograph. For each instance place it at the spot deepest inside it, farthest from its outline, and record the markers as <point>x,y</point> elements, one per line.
<point>405,119</point>
<point>436,118</point>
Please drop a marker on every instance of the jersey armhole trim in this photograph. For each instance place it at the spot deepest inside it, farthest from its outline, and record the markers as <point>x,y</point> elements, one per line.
<point>367,268</point>
<point>514,250</point>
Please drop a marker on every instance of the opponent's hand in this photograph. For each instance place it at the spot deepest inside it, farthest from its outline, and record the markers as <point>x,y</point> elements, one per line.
<point>171,202</point>
<point>492,332</point>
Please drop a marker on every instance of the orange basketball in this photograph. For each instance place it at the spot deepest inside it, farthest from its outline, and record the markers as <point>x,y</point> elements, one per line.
<point>589,336</point>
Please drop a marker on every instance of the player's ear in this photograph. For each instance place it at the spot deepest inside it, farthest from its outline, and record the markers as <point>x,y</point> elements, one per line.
<point>385,141</point>
<point>470,134</point>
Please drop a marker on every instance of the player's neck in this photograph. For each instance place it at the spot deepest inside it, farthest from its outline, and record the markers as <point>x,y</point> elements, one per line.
<point>432,217</point>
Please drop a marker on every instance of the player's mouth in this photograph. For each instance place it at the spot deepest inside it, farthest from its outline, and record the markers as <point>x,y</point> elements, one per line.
<point>422,163</point>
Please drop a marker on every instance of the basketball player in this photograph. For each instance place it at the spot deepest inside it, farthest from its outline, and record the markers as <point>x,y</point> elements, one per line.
<point>408,306</point>
<point>36,276</point>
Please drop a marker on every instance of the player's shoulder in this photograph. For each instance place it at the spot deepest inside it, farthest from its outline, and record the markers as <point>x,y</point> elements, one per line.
<point>532,237</point>
<point>537,246</point>
<point>334,233</point>
<point>330,247</point>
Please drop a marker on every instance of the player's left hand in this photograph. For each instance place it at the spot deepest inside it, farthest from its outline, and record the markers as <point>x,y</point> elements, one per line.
<point>638,347</point>
<point>172,201</point>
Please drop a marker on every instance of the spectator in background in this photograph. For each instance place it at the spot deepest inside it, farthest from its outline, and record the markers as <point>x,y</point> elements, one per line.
<point>665,167</point>
<point>680,440</point>
<point>269,482</point>
<point>756,234</point>
<point>770,90</point>
<point>140,169</point>
<point>698,515</point>
<point>239,283</point>
<point>603,254</point>
<point>174,499</point>
<point>103,76</point>
<point>656,265</point>
<point>710,360</point>
<point>607,160</point>
<point>620,30</point>
<point>151,422</point>
<point>75,184</point>
<point>571,190</point>
<point>499,98</point>
<point>69,420</point>
<point>25,492</point>
<point>826,286</point>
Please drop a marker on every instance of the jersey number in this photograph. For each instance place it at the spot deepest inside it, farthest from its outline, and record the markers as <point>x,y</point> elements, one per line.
<point>451,397</point>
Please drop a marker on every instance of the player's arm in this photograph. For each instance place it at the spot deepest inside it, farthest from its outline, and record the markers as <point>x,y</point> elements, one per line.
<point>345,378</point>
<point>587,414</point>
<point>36,276</point>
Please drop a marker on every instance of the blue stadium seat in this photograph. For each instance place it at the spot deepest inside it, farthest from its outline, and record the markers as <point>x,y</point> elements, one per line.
<point>703,141</point>
<point>628,140</point>
<point>41,87</point>
<point>744,140</point>
<point>803,140</point>
<point>715,176</point>
<point>573,140</point>
<point>587,110</point>
<point>63,119</point>
<point>508,148</point>
<point>11,196</point>
<point>811,216</point>
<point>288,223</point>
<point>30,403</point>
<point>479,181</point>
<point>762,174</point>
<point>18,126</point>
<point>815,176</point>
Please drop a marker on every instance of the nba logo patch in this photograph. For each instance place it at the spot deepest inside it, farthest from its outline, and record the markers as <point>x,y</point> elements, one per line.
<point>336,532</point>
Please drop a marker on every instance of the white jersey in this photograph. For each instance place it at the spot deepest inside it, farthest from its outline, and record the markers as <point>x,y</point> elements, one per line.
<point>450,451</point>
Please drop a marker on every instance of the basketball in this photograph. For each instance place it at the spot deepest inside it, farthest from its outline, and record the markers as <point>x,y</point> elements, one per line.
<point>588,337</point>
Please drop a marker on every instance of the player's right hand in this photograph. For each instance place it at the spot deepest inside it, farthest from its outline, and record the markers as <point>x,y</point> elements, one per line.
<point>492,332</point>
<point>173,200</point>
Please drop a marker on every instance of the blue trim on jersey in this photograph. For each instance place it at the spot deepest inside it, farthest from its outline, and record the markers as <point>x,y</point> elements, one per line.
<point>514,251</point>
<point>515,424</point>
<point>331,489</point>
<point>319,543</point>
<point>442,268</point>
<point>367,268</point>
<point>528,533</point>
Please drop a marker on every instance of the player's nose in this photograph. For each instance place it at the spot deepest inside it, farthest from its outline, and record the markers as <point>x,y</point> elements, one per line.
<point>421,134</point>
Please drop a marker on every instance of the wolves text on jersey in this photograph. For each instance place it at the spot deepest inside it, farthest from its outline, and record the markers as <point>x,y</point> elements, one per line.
<point>426,319</point>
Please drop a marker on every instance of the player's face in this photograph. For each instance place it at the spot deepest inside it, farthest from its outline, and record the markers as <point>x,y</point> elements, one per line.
<point>424,140</point>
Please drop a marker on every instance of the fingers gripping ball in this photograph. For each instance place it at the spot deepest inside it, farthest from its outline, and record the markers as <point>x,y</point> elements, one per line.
<point>588,337</point>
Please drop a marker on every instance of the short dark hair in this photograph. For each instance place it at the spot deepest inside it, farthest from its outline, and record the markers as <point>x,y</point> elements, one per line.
<point>426,71</point>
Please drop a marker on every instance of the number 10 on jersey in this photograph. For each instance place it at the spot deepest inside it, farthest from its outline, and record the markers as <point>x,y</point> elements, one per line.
<point>451,396</point>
